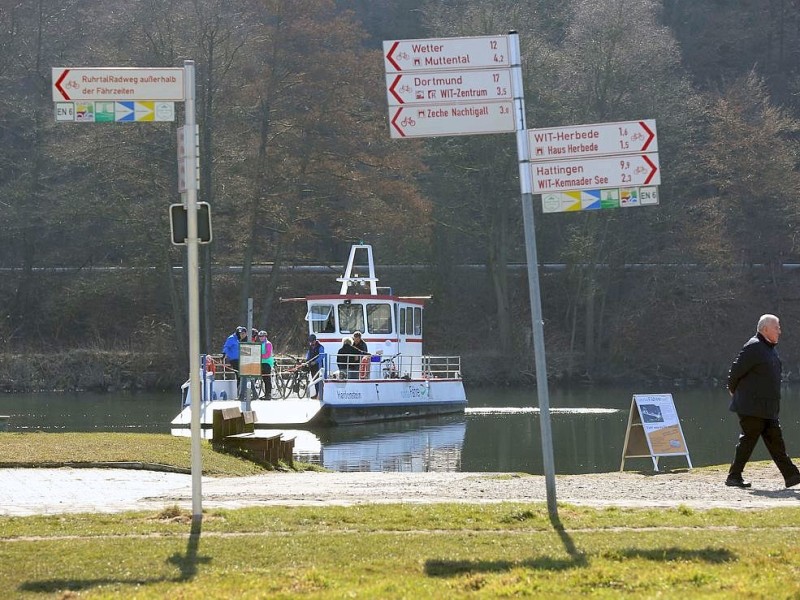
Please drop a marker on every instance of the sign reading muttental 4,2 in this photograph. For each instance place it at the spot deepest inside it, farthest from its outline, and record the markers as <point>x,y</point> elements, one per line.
<point>627,137</point>
<point>117,83</point>
<point>446,53</point>
<point>602,172</point>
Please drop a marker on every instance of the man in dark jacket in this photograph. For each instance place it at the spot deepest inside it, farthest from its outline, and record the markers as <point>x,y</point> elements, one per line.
<point>754,382</point>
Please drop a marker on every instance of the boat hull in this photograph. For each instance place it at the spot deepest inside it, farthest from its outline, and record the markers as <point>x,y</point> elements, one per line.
<point>347,401</point>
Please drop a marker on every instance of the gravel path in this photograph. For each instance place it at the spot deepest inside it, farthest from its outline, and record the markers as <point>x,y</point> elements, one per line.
<point>54,491</point>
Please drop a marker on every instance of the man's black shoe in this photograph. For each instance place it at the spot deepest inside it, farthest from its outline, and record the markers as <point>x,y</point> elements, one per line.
<point>740,483</point>
<point>793,480</point>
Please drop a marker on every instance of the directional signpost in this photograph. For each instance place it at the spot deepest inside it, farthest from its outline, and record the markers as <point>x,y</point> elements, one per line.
<point>123,94</point>
<point>401,56</point>
<point>449,86</point>
<point>117,83</point>
<point>590,167</point>
<point>460,86</point>
<point>451,119</point>
<point>600,172</point>
<point>593,140</point>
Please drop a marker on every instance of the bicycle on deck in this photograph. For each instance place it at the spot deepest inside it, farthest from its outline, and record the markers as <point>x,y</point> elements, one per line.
<point>293,378</point>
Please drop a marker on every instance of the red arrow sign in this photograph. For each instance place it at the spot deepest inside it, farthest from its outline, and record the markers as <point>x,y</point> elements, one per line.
<point>650,135</point>
<point>393,89</point>
<point>60,81</point>
<point>400,132</point>
<point>389,56</point>
<point>653,167</point>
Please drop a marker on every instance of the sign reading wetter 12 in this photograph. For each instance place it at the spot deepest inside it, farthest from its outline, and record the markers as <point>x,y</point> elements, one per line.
<point>118,84</point>
<point>482,52</point>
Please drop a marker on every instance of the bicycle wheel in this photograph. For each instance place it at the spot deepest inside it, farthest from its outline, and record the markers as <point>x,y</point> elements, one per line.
<point>283,381</point>
<point>258,388</point>
<point>302,384</point>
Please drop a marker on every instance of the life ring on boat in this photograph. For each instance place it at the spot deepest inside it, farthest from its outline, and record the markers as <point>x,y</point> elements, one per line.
<point>363,368</point>
<point>211,366</point>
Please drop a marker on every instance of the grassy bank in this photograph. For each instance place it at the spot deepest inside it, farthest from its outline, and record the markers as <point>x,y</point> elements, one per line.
<point>38,449</point>
<point>378,551</point>
<point>403,551</point>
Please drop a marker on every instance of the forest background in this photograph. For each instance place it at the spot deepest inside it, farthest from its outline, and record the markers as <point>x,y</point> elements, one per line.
<point>297,164</point>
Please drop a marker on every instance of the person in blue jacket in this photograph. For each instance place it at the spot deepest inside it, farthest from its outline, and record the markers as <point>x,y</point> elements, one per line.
<point>230,349</point>
<point>754,383</point>
<point>315,359</point>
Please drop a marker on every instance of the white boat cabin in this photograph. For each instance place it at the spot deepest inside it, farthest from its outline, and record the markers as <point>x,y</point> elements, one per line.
<point>390,325</point>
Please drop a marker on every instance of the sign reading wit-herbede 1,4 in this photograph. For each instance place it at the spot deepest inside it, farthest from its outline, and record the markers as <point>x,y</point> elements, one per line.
<point>654,430</point>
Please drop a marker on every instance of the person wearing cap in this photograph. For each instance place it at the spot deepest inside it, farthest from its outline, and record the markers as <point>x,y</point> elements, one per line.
<point>359,344</point>
<point>267,361</point>
<point>230,349</point>
<point>315,358</point>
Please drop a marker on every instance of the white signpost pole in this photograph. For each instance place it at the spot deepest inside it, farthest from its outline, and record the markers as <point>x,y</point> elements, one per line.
<point>523,153</point>
<point>192,254</point>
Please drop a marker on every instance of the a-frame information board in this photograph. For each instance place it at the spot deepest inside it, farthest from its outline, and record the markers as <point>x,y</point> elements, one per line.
<point>654,430</point>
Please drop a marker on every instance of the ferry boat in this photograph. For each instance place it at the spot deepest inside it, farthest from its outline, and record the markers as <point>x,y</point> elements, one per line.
<point>394,381</point>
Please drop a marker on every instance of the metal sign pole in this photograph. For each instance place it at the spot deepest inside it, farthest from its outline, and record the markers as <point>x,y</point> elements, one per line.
<point>192,278</point>
<point>523,153</point>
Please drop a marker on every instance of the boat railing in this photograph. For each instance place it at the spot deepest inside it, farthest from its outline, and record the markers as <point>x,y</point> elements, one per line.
<point>216,365</point>
<point>399,366</point>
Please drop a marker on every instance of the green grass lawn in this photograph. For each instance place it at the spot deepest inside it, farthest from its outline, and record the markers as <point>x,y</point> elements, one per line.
<point>404,551</point>
<point>379,551</point>
<point>38,449</point>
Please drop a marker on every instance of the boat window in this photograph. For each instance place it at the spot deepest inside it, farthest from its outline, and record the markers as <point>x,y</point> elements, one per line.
<point>321,317</point>
<point>401,321</point>
<point>417,321</point>
<point>379,318</point>
<point>409,321</point>
<point>351,318</point>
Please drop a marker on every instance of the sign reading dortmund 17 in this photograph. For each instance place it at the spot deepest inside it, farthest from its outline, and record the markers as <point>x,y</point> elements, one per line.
<point>117,83</point>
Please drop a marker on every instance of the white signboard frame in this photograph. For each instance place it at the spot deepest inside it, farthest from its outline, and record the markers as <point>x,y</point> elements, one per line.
<point>654,430</point>
<point>448,86</point>
<point>462,53</point>
<point>598,139</point>
<point>451,119</point>
<point>117,83</point>
<point>628,170</point>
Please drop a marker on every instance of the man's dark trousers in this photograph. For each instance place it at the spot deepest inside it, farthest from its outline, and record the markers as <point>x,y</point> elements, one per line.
<point>770,431</point>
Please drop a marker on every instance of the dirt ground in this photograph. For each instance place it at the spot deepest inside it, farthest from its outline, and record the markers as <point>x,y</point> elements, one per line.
<point>54,491</point>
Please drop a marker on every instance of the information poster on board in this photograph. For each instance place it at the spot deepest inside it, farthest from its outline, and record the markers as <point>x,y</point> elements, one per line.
<point>654,429</point>
<point>249,360</point>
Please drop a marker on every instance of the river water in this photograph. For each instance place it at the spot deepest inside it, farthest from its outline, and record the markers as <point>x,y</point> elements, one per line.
<point>500,431</point>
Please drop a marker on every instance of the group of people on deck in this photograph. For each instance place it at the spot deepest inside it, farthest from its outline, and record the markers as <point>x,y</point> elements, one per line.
<point>348,358</point>
<point>230,353</point>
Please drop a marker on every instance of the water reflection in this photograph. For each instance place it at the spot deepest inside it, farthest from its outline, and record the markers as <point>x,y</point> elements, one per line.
<point>500,431</point>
